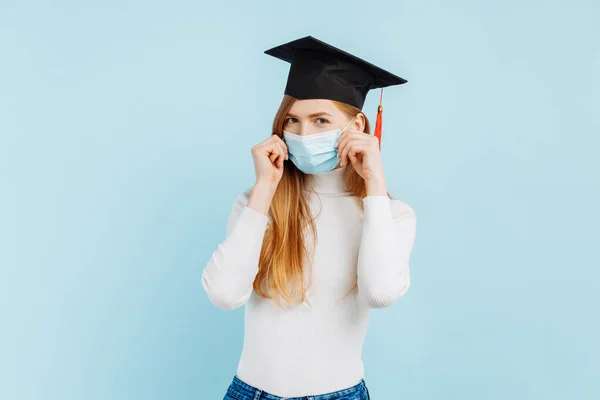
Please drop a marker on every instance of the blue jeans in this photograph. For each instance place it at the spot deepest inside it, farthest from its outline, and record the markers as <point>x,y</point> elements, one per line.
<point>240,390</point>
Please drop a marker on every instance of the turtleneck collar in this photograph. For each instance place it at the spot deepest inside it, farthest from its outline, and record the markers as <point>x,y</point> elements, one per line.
<point>328,182</point>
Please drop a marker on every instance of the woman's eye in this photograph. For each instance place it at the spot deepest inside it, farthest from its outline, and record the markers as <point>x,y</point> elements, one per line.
<point>322,119</point>
<point>290,120</point>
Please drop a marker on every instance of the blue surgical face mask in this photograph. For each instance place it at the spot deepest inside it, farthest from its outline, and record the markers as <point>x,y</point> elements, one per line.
<point>316,153</point>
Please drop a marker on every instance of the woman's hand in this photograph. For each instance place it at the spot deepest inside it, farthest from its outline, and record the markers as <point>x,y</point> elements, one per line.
<point>268,158</point>
<point>362,150</point>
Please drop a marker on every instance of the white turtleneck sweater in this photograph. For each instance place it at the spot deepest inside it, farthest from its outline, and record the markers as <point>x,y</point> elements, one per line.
<point>302,350</point>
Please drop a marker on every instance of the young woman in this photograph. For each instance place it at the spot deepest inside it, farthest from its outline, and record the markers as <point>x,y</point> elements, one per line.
<point>317,242</point>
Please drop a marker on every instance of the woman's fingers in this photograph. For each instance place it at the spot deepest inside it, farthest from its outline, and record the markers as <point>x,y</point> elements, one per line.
<point>277,150</point>
<point>284,147</point>
<point>346,143</point>
<point>345,136</point>
<point>348,146</point>
<point>279,158</point>
<point>272,149</point>
<point>272,152</point>
<point>284,155</point>
<point>280,153</point>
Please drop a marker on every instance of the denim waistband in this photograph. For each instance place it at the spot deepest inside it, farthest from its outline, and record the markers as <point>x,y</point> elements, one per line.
<point>250,392</point>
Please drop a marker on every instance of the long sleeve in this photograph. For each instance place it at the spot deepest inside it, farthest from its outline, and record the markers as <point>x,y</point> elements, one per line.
<point>387,239</point>
<point>229,274</point>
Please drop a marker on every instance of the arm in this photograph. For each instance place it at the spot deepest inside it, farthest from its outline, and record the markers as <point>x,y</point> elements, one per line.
<point>387,240</point>
<point>229,275</point>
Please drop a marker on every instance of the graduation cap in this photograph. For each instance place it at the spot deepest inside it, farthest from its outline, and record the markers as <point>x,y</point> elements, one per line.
<point>321,71</point>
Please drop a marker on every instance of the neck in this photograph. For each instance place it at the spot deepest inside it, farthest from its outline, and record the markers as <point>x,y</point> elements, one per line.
<point>328,182</point>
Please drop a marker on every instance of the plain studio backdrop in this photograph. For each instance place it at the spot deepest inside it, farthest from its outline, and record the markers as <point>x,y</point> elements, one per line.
<point>125,136</point>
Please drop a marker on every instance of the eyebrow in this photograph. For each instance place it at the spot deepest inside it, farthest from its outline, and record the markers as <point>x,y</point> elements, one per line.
<point>318,114</point>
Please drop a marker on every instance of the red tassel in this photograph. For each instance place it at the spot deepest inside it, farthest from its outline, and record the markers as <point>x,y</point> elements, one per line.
<point>378,122</point>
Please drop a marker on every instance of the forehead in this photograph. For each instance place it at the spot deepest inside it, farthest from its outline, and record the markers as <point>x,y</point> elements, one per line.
<point>305,107</point>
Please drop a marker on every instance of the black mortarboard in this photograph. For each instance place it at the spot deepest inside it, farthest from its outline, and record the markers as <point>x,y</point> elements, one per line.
<point>321,71</point>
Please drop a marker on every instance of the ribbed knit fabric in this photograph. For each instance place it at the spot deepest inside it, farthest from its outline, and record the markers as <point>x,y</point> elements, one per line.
<point>303,350</point>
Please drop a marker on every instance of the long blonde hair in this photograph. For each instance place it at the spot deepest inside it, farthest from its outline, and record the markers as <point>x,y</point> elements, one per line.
<point>284,250</point>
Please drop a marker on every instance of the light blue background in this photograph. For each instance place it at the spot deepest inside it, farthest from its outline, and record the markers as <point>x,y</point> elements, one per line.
<point>125,135</point>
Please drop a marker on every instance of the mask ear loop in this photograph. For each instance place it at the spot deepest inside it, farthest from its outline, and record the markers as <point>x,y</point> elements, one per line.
<point>347,125</point>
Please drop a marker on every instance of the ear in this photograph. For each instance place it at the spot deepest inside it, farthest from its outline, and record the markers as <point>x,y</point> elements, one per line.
<point>359,122</point>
